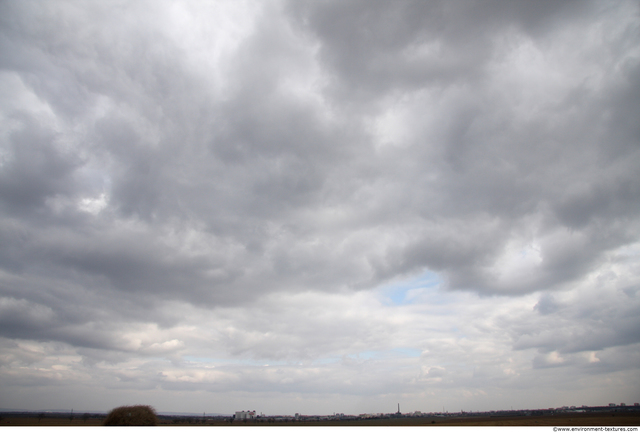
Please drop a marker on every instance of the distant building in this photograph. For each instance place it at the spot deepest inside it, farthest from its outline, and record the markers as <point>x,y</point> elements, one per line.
<point>623,404</point>
<point>612,405</point>
<point>249,414</point>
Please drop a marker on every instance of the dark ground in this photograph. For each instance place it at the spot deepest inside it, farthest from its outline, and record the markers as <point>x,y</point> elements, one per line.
<point>565,419</point>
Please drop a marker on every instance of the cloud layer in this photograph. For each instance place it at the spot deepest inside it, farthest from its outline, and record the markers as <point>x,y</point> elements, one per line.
<point>301,205</point>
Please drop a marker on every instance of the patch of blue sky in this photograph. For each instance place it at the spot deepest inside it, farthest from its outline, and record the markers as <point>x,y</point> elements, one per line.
<point>408,352</point>
<point>369,354</point>
<point>411,290</point>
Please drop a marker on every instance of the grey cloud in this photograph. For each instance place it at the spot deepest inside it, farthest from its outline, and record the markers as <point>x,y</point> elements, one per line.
<point>377,47</point>
<point>12,353</point>
<point>547,305</point>
<point>270,159</point>
<point>34,169</point>
<point>149,165</point>
<point>22,319</point>
<point>580,325</point>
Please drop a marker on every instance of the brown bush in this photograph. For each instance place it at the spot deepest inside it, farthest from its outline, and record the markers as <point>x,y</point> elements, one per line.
<point>132,415</point>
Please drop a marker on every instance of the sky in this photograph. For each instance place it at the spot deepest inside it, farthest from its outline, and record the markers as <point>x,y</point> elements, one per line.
<point>319,206</point>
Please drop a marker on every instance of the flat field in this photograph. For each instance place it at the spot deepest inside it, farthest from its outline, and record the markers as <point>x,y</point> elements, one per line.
<point>581,419</point>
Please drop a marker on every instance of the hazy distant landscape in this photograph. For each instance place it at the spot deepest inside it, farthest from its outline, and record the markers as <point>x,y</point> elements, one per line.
<point>585,416</point>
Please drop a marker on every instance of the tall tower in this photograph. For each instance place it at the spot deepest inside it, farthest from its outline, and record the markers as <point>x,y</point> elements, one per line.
<point>398,409</point>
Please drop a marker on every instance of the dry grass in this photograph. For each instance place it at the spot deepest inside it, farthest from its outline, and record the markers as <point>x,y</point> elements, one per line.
<point>47,422</point>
